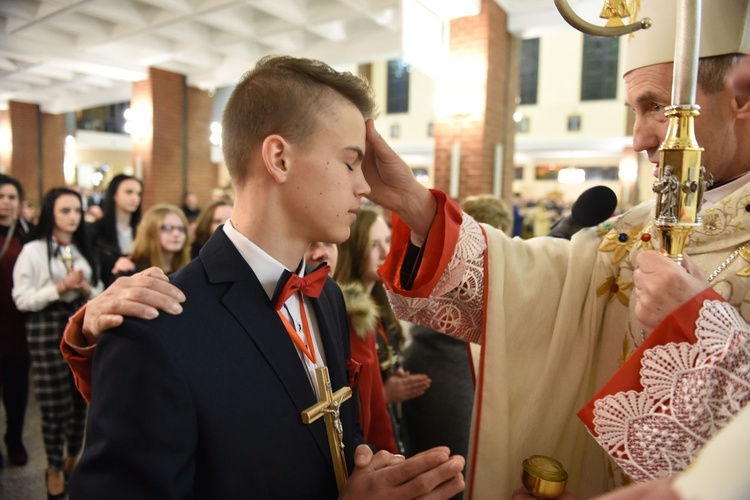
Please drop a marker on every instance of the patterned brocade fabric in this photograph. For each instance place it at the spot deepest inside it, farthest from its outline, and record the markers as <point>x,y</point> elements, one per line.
<point>455,306</point>
<point>689,393</point>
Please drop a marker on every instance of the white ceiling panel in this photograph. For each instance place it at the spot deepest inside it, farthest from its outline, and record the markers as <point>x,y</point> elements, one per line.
<point>69,54</point>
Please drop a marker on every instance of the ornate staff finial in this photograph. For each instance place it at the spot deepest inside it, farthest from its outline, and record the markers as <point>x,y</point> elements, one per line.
<point>613,10</point>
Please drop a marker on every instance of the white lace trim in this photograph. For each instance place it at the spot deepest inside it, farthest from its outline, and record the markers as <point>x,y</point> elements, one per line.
<point>689,393</point>
<point>455,305</point>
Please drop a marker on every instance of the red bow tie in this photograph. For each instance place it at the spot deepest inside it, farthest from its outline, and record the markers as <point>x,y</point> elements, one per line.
<point>289,283</point>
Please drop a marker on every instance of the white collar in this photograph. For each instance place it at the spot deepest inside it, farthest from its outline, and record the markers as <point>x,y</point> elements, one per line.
<point>267,269</point>
<point>713,196</point>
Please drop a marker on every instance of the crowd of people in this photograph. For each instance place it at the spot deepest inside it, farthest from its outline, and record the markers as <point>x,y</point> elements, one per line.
<point>52,263</point>
<point>622,364</point>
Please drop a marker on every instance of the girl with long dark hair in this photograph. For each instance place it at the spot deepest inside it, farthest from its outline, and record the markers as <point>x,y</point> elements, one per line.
<point>54,275</point>
<point>114,233</point>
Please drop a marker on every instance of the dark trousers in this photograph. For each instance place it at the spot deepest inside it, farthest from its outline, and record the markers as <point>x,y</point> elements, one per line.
<point>14,385</point>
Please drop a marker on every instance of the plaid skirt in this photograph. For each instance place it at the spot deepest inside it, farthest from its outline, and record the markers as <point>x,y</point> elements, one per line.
<point>44,331</point>
<point>62,407</point>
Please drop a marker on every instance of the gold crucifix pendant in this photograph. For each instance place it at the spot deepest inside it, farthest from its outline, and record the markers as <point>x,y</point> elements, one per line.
<point>329,408</point>
<point>66,255</point>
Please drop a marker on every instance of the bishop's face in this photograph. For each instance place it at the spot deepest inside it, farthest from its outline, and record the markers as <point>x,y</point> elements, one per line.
<point>326,180</point>
<point>649,90</point>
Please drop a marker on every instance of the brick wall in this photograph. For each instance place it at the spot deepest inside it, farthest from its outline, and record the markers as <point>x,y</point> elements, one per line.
<point>483,37</point>
<point>175,153</point>
<point>202,175</point>
<point>29,154</point>
<point>141,108</point>
<point>24,160</point>
<point>163,182</point>
<point>6,147</point>
<point>53,150</point>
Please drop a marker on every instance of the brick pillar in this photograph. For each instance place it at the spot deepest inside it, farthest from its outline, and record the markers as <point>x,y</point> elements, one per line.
<point>53,150</point>
<point>6,146</point>
<point>141,135</point>
<point>162,181</point>
<point>37,149</point>
<point>171,148</point>
<point>202,175</point>
<point>478,102</point>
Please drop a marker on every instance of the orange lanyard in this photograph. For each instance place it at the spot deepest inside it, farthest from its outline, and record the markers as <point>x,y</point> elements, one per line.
<point>309,352</point>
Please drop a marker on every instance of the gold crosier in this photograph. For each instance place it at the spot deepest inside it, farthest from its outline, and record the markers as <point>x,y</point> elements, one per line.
<point>682,179</point>
<point>329,408</point>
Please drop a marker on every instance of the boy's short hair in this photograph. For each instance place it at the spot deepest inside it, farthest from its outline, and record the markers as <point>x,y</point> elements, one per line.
<point>282,95</point>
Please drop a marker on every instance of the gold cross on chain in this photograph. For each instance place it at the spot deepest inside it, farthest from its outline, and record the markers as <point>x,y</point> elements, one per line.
<point>329,408</point>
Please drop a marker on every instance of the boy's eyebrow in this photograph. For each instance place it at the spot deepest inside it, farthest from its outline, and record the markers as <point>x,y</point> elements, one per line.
<point>358,150</point>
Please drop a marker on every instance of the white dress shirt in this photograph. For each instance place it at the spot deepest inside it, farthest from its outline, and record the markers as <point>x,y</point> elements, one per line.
<point>268,271</point>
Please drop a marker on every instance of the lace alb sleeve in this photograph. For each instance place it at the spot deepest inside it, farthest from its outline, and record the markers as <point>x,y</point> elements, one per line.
<point>455,305</point>
<point>689,393</point>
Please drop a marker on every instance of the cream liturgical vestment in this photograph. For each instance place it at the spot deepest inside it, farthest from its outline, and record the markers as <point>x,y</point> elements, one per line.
<point>555,319</point>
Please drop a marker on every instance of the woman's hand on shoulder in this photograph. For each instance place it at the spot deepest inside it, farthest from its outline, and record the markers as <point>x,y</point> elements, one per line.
<point>141,295</point>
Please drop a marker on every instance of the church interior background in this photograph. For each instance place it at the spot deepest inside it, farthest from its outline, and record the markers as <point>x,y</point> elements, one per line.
<point>479,96</point>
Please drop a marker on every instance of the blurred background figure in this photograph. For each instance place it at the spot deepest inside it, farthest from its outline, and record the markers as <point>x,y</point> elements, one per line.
<point>190,206</point>
<point>518,215</point>
<point>113,234</point>
<point>29,214</point>
<point>54,275</point>
<point>489,209</point>
<point>219,194</point>
<point>214,216</point>
<point>14,350</point>
<point>93,214</point>
<point>161,240</point>
<point>543,215</point>
<point>95,197</point>
<point>376,336</point>
<point>320,252</point>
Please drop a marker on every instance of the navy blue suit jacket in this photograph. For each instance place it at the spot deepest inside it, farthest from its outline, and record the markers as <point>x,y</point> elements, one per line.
<point>207,404</point>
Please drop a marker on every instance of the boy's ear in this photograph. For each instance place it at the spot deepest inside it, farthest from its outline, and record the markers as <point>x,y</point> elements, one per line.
<point>275,151</point>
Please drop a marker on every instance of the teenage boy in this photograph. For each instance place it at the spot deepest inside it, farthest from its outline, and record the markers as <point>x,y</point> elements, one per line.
<point>207,403</point>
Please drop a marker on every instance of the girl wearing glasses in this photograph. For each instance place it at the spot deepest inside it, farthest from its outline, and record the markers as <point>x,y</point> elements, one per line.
<point>161,240</point>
